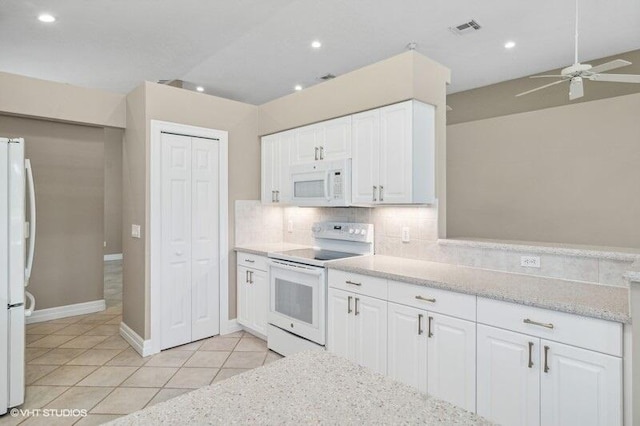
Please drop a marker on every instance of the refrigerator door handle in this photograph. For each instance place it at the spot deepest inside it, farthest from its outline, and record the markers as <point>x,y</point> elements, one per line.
<point>32,222</point>
<point>32,304</point>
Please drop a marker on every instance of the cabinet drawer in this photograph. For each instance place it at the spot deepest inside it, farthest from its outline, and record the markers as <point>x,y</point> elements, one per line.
<point>360,284</point>
<point>252,261</point>
<point>585,332</point>
<point>434,300</point>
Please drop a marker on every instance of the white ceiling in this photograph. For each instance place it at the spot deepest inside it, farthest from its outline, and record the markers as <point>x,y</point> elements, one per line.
<point>257,50</point>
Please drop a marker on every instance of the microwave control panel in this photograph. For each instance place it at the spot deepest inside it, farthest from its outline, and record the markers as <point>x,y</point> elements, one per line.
<point>337,185</point>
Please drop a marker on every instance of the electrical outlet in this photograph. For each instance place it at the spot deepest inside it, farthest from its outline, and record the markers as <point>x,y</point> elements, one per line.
<point>290,226</point>
<point>135,231</point>
<point>104,244</point>
<point>530,261</point>
<point>405,234</point>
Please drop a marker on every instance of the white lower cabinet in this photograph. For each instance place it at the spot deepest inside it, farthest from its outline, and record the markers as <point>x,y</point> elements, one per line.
<point>433,353</point>
<point>508,385</point>
<point>579,387</point>
<point>357,328</point>
<point>525,380</point>
<point>253,298</point>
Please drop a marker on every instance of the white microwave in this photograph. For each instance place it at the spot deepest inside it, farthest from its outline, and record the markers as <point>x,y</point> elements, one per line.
<point>321,183</point>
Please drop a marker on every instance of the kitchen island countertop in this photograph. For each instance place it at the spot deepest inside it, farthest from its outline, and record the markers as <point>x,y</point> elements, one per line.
<point>306,388</point>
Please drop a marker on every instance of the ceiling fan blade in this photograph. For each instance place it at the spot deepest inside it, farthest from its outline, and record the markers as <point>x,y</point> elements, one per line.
<point>576,89</point>
<point>616,78</point>
<point>546,76</point>
<point>540,88</point>
<point>618,63</point>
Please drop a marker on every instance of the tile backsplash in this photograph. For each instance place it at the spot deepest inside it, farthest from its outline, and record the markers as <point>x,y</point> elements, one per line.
<point>257,223</point>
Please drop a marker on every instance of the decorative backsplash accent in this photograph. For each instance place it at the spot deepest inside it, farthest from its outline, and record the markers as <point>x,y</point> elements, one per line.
<point>257,223</point>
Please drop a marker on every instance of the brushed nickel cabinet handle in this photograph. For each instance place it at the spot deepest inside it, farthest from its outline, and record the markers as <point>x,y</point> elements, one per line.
<point>541,324</point>
<point>251,277</point>
<point>420,331</point>
<point>316,154</point>
<point>349,304</point>
<point>429,332</point>
<point>381,193</point>
<point>250,261</point>
<point>546,359</point>
<point>426,299</point>
<point>322,152</point>
<point>277,196</point>
<point>375,188</point>
<point>356,306</point>
<point>530,349</point>
<point>246,278</point>
<point>353,283</point>
<point>273,196</point>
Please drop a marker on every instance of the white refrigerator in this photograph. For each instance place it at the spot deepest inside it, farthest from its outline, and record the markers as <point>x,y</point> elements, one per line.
<point>17,242</point>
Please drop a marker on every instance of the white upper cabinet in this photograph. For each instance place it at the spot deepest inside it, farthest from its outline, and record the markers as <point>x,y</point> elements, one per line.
<point>394,155</point>
<point>327,140</point>
<point>276,159</point>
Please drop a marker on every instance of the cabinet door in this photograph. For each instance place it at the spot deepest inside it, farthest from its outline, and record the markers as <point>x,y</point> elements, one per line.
<point>270,168</point>
<point>508,366</point>
<point>260,292</point>
<point>365,165</point>
<point>337,139</point>
<point>407,346</point>
<point>396,141</point>
<point>245,315</point>
<point>283,153</point>
<point>452,360</point>
<point>370,335</point>
<point>580,387</point>
<point>340,323</point>
<point>308,140</point>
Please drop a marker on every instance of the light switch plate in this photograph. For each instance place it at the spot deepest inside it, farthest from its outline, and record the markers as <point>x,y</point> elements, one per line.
<point>290,226</point>
<point>135,231</point>
<point>530,261</point>
<point>405,234</point>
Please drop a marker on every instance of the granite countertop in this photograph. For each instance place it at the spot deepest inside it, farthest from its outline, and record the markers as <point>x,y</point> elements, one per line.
<point>265,248</point>
<point>575,297</point>
<point>306,388</point>
<point>601,252</point>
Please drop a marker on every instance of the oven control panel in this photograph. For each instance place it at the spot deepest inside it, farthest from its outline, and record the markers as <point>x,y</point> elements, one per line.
<point>359,232</point>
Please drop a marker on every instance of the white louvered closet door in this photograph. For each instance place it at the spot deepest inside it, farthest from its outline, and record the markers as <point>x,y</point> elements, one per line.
<point>190,240</point>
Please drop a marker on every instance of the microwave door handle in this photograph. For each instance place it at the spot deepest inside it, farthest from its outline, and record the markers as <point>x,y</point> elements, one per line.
<point>327,187</point>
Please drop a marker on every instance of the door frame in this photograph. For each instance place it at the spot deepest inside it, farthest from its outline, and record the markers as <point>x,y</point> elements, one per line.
<point>154,236</point>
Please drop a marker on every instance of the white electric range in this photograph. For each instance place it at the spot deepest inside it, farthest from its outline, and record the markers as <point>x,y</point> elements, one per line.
<point>298,285</point>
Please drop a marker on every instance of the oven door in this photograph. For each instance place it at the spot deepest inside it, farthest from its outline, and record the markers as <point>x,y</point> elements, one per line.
<point>297,299</point>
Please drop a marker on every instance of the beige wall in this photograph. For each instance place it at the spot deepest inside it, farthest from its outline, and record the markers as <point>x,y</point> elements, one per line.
<point>499,99</point>
<point>68,167</point>
<point>167,103</point>
<point>568,174</point>
<point>134,189</point>
<point>113,190</point>
<point>32,97</point>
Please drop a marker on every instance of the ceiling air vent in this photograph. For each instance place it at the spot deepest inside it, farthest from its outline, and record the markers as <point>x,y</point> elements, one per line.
<point>327,77</point>
<point>467,27</point>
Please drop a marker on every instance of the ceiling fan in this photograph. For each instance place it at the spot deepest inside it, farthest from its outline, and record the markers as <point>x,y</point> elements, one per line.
<point>577,73</point>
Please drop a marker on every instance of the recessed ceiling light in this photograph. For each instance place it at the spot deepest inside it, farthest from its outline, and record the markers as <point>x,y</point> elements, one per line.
<point>45,17</point>
<point>316,44</point>
<point>200,89</point>
<point>298,88</point>
<point>510,45</point>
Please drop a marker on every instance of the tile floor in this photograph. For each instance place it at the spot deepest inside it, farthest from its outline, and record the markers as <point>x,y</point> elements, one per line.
<point>82,363</point>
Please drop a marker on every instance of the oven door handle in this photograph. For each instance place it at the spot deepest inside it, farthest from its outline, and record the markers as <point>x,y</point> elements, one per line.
<point>296,267</point>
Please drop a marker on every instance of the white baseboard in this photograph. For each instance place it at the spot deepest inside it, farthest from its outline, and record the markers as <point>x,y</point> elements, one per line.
<point>58,312</point>
<point>116,256</point>
<point>143,347</point>
<point>231,326</point>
